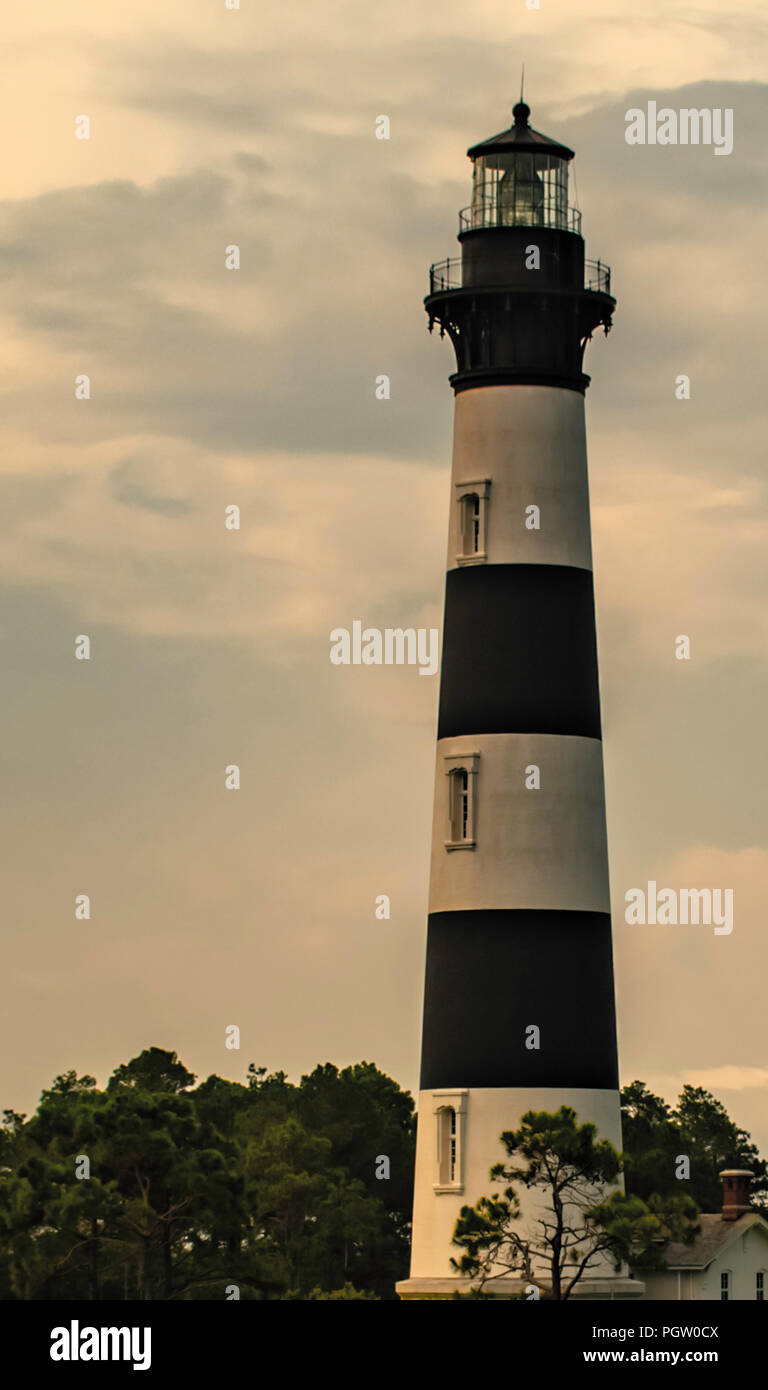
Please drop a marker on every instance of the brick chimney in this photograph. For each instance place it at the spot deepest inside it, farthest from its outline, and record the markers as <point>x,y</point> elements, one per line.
<point>736,1183</point>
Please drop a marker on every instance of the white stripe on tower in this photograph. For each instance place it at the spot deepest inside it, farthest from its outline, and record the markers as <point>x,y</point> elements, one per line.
<point>487,1112</point>
<point>539,849</point>
<point>531,441</point>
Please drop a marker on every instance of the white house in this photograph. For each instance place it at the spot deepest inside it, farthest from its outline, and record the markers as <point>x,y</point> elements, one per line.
<point>727,1261</point>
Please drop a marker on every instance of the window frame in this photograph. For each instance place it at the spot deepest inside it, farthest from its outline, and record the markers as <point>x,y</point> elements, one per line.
<point>453,764</point>
<point>479,488</point>
<point>446,1103</point>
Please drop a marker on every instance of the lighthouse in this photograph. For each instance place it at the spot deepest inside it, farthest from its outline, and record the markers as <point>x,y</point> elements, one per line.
<point>519,1008</point>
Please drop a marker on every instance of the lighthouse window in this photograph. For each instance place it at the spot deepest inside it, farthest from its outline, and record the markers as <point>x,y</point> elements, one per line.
<point>450,1118</point>
<point>725,1280</point>
<point>760,1286</point>
<point>512,189</point>
<point>471,521</point>
<point>471,527</point>
<point>462,783</point>
<point>448,1164</point>
<point>448,1145</point>
<point>460,804</point>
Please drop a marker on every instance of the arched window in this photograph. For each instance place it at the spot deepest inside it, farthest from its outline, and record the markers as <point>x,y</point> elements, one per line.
<point>461,817</point>
<point>472,521</point>
<point>450,1119</point>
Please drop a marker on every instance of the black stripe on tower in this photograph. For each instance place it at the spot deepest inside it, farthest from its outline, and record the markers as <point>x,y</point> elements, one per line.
<point>490,974</point>
<point>519,652</point>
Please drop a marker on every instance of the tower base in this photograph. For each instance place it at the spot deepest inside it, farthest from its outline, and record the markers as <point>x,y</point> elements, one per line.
<point>620,1287</point>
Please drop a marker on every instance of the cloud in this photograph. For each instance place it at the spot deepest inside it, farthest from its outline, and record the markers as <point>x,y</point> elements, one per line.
<point>130,282</point>
<point>134,482</point>
<point>323,540</point>
<point>713,1079</point>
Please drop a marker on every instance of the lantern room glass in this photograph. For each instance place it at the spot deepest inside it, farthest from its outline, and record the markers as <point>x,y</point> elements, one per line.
<point>520,190</point>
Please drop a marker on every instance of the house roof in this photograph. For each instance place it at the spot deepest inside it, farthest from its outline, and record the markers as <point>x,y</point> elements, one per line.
<point>715,1235</point>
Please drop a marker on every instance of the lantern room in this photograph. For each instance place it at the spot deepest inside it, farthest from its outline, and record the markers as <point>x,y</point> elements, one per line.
<point>520,179</point>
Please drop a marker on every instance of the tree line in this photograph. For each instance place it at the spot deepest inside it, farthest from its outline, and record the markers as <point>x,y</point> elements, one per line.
<point>159,1188</point>
<point>264,1190</point>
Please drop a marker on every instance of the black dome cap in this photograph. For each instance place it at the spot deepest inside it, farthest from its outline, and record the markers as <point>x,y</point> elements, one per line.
<point>521,138</point>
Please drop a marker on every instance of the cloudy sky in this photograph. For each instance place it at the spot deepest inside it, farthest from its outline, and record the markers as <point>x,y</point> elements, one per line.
<point>210,387</point>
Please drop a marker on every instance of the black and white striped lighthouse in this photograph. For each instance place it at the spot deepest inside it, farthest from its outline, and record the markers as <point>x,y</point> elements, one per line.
<point>519,935</point>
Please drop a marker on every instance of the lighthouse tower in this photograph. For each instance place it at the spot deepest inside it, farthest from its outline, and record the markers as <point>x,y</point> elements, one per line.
<point>519,1003</point>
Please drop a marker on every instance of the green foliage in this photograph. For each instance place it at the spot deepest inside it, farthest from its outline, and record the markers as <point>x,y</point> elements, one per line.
<point>655,1134</point>
<point>267,1186</point>
<point>152,1070</point>
<point>347,1292</point>
<point>640,1231</point>
<point>557,1150</point>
